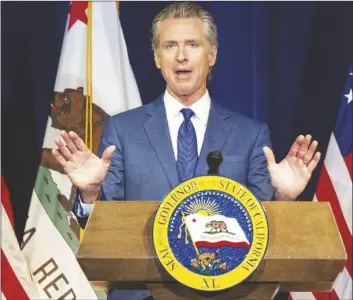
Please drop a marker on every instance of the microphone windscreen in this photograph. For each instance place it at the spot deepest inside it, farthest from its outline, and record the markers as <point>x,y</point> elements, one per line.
<point>214,160</point>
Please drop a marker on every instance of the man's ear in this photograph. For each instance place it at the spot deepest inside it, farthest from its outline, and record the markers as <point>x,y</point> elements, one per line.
<point>212,56</point>
<point>157,60</point>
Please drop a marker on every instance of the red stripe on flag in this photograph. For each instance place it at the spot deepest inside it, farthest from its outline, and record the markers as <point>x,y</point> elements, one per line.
<point>326,192</point>
<point>348,161</point>
<point>10,286</point>
<point>221,244</point>
<point>326,295</point>
<point>6,202</point>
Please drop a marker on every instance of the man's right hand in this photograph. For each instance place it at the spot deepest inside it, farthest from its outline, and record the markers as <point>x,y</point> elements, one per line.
<point>85,170</point>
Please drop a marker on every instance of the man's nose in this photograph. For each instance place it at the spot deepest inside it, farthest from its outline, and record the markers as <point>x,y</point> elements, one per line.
<point>181,55</point>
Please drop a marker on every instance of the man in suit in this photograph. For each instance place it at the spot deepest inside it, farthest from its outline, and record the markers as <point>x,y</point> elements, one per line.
<point>147,151</point>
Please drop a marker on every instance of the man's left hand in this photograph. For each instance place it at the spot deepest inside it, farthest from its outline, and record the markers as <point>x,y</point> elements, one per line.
<point>290,177</point>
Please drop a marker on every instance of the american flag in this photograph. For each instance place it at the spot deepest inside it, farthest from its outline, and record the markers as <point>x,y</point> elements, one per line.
<point>335,185</point>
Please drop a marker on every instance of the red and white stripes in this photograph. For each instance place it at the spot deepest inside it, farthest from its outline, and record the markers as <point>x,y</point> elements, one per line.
<point>335,186</point>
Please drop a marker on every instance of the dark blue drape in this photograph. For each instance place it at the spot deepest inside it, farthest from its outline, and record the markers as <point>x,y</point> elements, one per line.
<point>281,63</point>
<point>31,39</point>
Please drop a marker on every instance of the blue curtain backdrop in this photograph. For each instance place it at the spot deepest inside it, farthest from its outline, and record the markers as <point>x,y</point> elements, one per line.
<point>281,63</point>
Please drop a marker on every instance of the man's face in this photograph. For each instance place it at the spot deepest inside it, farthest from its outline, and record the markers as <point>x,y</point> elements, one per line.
<point>184,56</point>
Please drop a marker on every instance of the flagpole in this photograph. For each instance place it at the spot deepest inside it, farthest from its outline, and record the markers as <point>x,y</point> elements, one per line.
<point>90,102</point>
<point>186,226</point>
<point>196,250</point>
<point>87,73</point>
<point>89,99</point>
<point>117,5</point>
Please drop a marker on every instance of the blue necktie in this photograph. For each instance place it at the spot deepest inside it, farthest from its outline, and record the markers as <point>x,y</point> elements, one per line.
<point>187,147</point>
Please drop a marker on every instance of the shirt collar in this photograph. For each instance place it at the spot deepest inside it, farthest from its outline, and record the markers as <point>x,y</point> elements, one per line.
<point>201,108</point>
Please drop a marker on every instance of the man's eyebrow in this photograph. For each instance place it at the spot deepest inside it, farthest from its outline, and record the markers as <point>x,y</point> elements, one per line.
<point>169,42</point>
<point>186,41</point>
<point>193,41</point>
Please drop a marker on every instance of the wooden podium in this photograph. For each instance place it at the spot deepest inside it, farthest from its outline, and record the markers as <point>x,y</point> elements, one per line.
<point>305,252</point>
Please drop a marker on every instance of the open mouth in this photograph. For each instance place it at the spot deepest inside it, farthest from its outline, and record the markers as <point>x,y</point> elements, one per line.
<point>183,73</point>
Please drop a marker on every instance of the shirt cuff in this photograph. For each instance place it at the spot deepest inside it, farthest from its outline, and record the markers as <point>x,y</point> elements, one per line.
<point>84,209</point>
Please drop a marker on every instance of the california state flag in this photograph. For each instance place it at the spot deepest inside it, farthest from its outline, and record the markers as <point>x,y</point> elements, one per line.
<point>94,80</point>
<point>215,231</point>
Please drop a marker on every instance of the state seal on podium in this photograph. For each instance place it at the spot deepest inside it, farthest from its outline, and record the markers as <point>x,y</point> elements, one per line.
<point>210,233</point>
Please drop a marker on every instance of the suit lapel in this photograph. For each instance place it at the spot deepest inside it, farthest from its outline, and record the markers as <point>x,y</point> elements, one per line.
<point>157,130</point>
<point>217,132</point>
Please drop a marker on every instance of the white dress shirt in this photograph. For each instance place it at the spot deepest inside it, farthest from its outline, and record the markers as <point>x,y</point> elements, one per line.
<point>175,118</point>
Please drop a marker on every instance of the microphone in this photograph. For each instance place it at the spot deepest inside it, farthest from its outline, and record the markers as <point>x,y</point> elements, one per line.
<point>214,160</point>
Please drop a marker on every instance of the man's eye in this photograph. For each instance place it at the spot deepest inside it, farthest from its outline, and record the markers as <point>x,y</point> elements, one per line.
<point>168,46</point>
<point>194,45</point>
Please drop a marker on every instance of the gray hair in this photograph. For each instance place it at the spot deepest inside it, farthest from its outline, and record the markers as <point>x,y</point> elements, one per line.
<point>181,10</point>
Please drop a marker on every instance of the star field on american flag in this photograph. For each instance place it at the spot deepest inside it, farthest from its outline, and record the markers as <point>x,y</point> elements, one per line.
<point>343,128</point>
<point>349,96</point>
